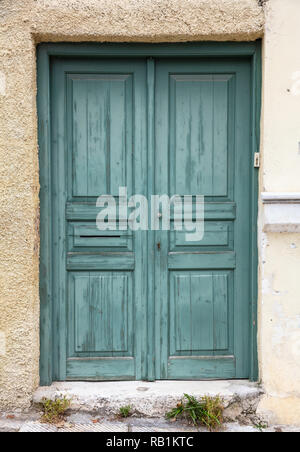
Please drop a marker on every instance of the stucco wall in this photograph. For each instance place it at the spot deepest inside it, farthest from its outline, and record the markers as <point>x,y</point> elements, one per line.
<point>279,339</point>
<point>23,23</point>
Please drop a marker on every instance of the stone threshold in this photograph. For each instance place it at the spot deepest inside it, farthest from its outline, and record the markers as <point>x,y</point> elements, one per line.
<point>154,399</point>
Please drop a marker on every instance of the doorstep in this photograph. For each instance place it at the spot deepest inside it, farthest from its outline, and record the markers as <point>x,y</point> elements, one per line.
<point>154,399</point>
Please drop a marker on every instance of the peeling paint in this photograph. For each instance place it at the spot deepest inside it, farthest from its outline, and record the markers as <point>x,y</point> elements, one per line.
<point>279,308</point>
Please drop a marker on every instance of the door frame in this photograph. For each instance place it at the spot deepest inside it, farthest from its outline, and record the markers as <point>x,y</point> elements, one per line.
<point>45,52</point>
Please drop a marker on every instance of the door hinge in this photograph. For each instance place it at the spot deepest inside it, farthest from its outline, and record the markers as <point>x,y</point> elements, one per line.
<point>256,160</point>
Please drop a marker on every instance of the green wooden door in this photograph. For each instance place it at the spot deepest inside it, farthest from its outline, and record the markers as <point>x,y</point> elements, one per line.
<point>202,288</point>
<point>145,304</point>
<point>99,144</point>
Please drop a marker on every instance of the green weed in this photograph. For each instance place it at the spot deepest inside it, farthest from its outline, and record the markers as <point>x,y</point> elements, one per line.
<point>54,410</point>
<point>207,412</point>
<point>125,411</point>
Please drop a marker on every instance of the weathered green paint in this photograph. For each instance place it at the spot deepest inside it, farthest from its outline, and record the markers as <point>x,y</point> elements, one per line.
<point>203,129</point>
<point>99,120</point>
<point>177,122</point>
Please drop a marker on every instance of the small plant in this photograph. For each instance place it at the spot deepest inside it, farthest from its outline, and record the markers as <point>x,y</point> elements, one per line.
<point>125,411</point>
<point>54,410</point>
<point>260,427</point>
<point>208,411</point>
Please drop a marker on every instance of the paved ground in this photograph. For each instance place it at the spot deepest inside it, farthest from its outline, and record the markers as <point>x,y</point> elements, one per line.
<point>87,423</point>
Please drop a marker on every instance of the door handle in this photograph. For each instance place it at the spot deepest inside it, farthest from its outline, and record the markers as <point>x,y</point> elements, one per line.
<point>158,246</point>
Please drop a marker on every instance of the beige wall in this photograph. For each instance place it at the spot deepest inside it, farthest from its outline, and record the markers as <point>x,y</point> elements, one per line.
<point>279,329</point>
<point>23,23</point>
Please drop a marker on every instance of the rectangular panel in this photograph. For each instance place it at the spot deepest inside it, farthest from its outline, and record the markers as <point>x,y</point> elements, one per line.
<point>100,261</point>
<point>199,133</point>
<point>212,211</point>
<point>201,260</point>
<point>200,308</point>
<point>101,369</point>
<point>102,312</point>
<point>215,234</point>
<point>202,367</point>
<point>86,235</point>
<point>102,133</point>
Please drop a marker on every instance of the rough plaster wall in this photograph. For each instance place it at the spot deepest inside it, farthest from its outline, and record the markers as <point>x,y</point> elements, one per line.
<point>19,299</point>
<point>22,24</point>
<point>279,305</point>
<point>150,20</point>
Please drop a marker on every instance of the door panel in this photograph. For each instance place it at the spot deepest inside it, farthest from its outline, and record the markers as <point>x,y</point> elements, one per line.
<point>202,135</point>
<point>99,124</point>
<point>102,314</point>
<point>199,127</point>
<point>102,133</point>
<point>198,312</point>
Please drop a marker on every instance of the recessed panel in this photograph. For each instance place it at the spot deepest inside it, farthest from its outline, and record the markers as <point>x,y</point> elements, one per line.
<point>101,305</point>
<point>102,133</point>
<point>200,306</point>
<point>199,124</point>
<point>216,234</point>
<point>87,235</point>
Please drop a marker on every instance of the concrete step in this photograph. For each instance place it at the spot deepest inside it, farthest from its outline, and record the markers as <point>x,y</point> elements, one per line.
<point>154,399</point>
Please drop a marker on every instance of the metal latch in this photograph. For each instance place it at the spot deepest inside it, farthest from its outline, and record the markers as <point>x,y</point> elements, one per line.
<point>256,160</point>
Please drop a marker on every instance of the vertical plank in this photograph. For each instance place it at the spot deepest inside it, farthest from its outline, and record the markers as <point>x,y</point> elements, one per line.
<point>242,232</point>
<point>80,138</point>
<point>182,131</point>
<point>44,133</point>
<point>59,197</point>
<point>151,234</point>
<point>183,312</point>
<point>220,136</point>
<point>202,312</point>
<point>82,313</point>
<point>119,312</point>
<point>140,170</point>
<point>98,132</point>
<point>220,321</point>
<point>205,104</point>
<point>161,171</point>
<point>119,121</point>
